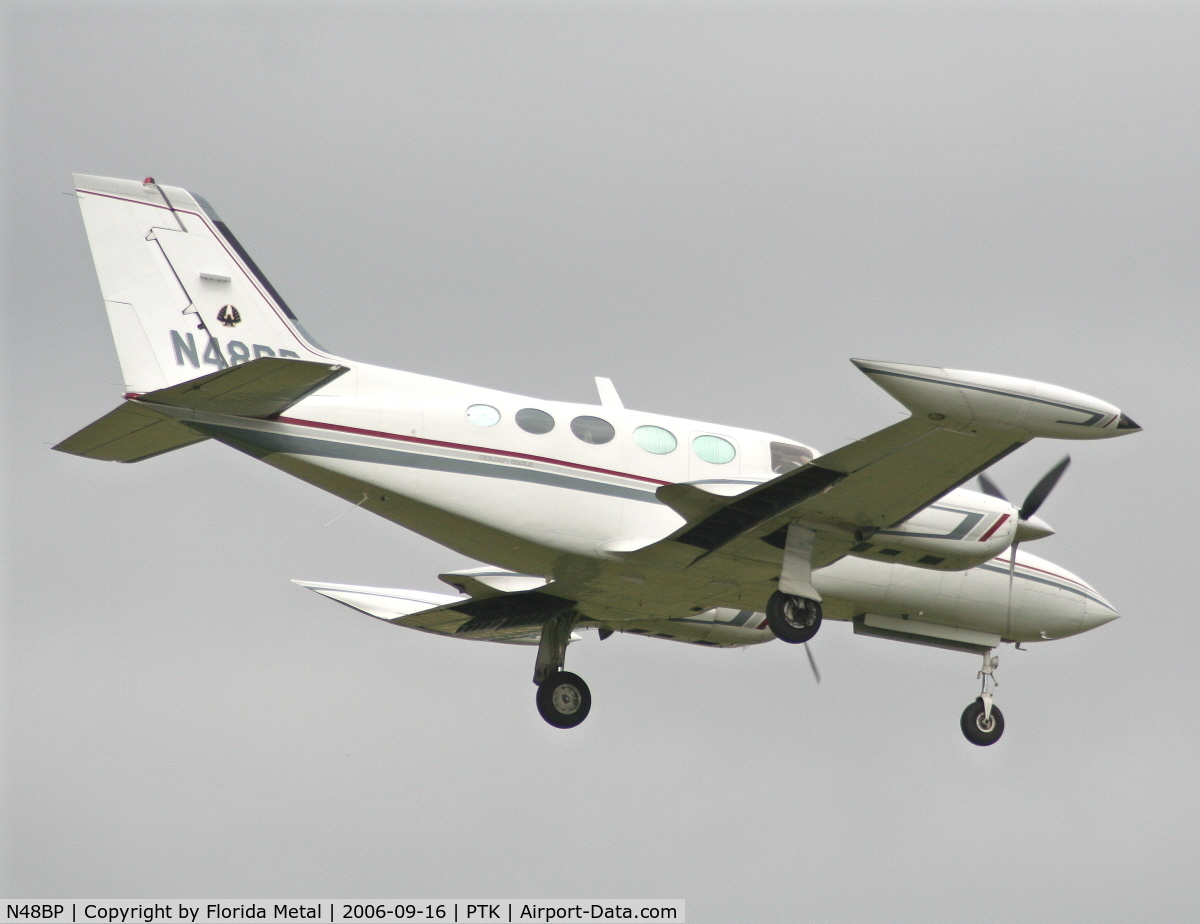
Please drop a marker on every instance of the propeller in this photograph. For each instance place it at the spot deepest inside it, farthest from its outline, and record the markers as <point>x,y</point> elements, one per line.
<point>1035,498</point>
<point>987,486</point>
<point>1027,521</point>
<point>812,662</point>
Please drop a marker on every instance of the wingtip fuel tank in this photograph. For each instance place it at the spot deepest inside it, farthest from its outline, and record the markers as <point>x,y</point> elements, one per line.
<point>984,400</point>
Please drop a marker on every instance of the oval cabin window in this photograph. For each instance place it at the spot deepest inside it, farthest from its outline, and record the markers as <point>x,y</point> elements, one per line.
<point>483,415</point>
<point>713,449</point>
<point>593,430</point>
<point>655,440</point>
<point>531,420</point>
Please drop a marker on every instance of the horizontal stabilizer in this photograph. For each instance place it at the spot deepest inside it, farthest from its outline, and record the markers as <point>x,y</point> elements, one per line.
<point>131,433</point>
<point>262,387</point>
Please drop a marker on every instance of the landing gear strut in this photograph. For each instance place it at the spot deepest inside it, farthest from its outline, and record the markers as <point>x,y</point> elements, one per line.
<point>563,699</point>
<point>982,723</point>
<point>794,610</point>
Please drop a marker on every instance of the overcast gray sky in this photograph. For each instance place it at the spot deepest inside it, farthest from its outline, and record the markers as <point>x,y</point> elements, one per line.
<point>715,205</point>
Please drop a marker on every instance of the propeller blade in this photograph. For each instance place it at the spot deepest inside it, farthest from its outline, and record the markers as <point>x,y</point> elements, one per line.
<point>812,662</point>
<point>1012,568</point>
<point>987,486</point>
<point>1042,489</point>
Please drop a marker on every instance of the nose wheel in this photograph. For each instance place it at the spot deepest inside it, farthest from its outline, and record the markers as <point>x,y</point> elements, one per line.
<point>981,725</point>
<point>982,722</point>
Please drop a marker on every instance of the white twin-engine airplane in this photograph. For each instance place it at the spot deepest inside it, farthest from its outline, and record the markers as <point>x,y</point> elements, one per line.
<point>594,516</point>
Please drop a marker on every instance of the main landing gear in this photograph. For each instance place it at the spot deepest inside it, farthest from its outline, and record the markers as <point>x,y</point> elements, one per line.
<point>563,699</point>
<point>792,618</point>
<point>982,722</point>
<point>794,610</point>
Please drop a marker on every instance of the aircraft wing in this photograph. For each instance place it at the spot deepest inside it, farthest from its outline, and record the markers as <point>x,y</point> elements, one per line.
<point>515,618</point>
<point>873,483</point>
<point>961,423</point>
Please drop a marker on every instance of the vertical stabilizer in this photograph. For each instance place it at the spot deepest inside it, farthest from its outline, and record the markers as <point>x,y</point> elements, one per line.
<point>183,297</point>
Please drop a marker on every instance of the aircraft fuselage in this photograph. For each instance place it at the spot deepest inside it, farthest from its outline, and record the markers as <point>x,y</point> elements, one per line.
<point>544,487</point>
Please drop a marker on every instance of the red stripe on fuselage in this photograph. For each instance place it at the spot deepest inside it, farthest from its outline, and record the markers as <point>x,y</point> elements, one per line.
<point>1057,574</point>
<point>380,434</point>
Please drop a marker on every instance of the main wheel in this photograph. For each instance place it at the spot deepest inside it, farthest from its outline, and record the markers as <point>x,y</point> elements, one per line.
<point>979,730</point>
<point>564,700</point>
<point>793,619</point>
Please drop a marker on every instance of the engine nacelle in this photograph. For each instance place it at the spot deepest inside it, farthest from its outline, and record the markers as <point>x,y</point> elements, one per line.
<point>960,531</point>
<point>721,627</point>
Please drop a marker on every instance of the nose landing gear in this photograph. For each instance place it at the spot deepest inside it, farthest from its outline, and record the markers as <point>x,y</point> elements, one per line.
<point>982,723</point>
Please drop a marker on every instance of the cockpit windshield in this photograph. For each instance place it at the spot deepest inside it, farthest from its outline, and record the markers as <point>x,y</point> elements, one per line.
<point>788,456</point>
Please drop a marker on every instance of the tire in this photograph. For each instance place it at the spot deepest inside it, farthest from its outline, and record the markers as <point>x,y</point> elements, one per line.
<point>973,725</point>
<point>793,619</point>
<point>564,700</point>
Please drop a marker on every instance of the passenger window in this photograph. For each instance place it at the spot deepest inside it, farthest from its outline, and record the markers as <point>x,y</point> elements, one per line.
<point>713,449</point>
<point>655,440</point>
<point>785,457</point>
<point>483,415</point>
<point>593,430</point>
<point>531,420</point>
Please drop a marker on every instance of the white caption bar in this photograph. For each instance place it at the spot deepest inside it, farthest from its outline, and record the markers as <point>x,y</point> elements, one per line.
<point>442,911</point>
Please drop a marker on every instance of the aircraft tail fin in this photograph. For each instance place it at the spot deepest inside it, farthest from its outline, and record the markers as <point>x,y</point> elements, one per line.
<point>182,294</point>
<point>138,429</point>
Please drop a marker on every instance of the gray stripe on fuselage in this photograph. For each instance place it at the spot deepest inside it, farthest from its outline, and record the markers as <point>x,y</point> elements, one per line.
<point>1041,580</point>
<point>332,449</point>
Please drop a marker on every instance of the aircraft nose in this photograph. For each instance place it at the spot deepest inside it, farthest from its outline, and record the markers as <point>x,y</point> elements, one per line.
<point>1097,614</point>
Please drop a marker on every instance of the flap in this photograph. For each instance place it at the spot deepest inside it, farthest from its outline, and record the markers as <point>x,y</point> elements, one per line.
<point>131,433</point>
<point>262,387</point>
